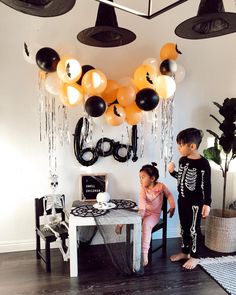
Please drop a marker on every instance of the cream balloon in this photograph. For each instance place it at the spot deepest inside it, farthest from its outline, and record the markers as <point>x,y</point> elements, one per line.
<point>29,51</point>
<point>180,74</point>
<point>151,61</point>
<point>52,83</point>
<point>165,86</point>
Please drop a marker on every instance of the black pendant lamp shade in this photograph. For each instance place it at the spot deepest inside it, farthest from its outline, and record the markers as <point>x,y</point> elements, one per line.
<point>211,21</point>
<point>42,8</point>
<point>106,32</point>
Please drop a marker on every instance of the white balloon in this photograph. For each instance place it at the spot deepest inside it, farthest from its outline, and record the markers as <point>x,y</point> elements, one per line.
<point>151,61</point>
<point>165,86</point>
<point>180,73</point>
<point>52,83</point>
<point>29,51</point>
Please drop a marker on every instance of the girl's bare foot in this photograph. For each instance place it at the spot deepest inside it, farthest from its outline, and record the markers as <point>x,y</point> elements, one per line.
<point>145,259</point>
<point>191,263</point>
<point>179,256</point>
<point>118,229</point>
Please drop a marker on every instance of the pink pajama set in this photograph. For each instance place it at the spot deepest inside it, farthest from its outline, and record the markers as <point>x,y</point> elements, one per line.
<point>150,200</point>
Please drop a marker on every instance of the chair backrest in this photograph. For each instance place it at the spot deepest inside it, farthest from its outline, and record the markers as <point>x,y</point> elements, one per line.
<point>39,210</point>
<point>164,209</point>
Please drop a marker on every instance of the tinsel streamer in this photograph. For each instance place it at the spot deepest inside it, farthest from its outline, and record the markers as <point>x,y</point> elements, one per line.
<point>41,105</point>
<point>167,109</point>
<point>52,134</point>
<point>141,138</point>
<point>63,125</point>
<point>154,120</point>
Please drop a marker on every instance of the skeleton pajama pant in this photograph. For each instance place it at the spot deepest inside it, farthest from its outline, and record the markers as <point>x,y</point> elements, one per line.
<point>148,222</point>
<point>190,221</point>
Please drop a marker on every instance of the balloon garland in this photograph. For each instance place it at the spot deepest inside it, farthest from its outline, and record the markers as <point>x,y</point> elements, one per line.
<point>153,83</point>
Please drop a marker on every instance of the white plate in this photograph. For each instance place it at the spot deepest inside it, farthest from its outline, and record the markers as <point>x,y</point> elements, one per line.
<point>104,206</point>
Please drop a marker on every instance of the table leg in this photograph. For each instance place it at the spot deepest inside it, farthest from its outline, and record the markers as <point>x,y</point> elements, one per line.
<point>73,238</point>
<point>137,247</point>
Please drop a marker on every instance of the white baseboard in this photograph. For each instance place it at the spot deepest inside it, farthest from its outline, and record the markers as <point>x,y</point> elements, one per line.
<point>15,246</point>
<point>24,245</point>
<point>27,245</point>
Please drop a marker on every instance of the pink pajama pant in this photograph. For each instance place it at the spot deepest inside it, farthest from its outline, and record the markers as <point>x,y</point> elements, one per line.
<point>148,222</point>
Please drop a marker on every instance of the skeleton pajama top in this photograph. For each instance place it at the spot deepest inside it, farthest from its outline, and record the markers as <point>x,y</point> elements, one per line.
<point>194,180</point>
<point>194,186</point>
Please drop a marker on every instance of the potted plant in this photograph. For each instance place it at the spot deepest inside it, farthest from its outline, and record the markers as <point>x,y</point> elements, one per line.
<point>220,233</point>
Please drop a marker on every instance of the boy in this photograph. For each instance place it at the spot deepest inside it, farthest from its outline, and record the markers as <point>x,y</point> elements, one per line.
<point>194,187</point>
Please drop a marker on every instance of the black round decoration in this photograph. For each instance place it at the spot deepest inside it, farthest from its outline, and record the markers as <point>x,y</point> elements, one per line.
<point>117,147</point>
<point>123,204</point>
<point>100,150</point>
<point>168,67</point>
<point>85,69</point>
<point>47,59</point>
<point>87,211</point>
<point>82,161</point>
<point>95,106</point>
<point>147,99</point>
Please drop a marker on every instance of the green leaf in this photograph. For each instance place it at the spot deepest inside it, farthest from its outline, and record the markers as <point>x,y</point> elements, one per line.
<point>213,153</point>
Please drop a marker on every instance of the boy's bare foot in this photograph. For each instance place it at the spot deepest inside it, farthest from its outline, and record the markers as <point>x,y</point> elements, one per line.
<point>191,263</point>
<point>118,229</point>
<point>145,259</point>
<point>179,256</point>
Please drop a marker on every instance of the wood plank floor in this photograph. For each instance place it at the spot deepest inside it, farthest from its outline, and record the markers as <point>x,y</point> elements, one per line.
<point>22,274</point>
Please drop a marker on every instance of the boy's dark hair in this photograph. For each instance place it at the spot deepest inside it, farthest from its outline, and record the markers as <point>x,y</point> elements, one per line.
<point>190,135</point>
<point>151,170</point>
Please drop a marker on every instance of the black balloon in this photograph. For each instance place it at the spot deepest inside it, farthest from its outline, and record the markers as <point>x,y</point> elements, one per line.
<point>168,67</point>
<point>100,147</point>
<point>47,59</point>
<point>147,99</point>
<point>95,106</point>
<point>85,69</point>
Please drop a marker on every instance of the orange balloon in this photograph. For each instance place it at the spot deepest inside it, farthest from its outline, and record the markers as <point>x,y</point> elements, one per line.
<point>109,94</point>
<point>94,82</point>
<point>71,94</point>
<point>133,117</point>
<point>133,108</point>
<point>115,115</point>
<point>169,51</point>
<point>126,95</point>
<point>69,70</point>
<point>144,77</point>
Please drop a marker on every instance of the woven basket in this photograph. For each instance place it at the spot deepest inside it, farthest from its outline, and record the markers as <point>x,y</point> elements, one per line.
<point>220,232</point>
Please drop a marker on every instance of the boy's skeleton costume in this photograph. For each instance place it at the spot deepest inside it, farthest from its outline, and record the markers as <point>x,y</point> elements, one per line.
<point>53,202</point>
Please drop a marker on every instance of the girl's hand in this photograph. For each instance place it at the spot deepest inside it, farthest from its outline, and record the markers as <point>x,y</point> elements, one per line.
<point>205,211</point>
<point>141,212</point>
<point>171,211</point>
<point>171,167</point>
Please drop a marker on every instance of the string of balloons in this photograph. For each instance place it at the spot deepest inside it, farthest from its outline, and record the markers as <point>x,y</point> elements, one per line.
<point>119,101</point>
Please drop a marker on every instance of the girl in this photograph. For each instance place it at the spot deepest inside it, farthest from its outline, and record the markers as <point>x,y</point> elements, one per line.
<point>150,204</point>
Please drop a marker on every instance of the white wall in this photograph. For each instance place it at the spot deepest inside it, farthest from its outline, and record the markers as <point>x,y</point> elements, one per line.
<point>211,75</point>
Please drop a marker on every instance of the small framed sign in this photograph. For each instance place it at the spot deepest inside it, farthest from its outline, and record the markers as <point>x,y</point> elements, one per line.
<point>91,185</point>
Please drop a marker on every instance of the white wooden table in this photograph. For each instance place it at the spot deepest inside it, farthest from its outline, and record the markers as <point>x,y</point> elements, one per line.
<point>114,216</point>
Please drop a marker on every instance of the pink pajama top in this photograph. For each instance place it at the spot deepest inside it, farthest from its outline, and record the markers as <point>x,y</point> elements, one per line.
<point>151,200</point>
